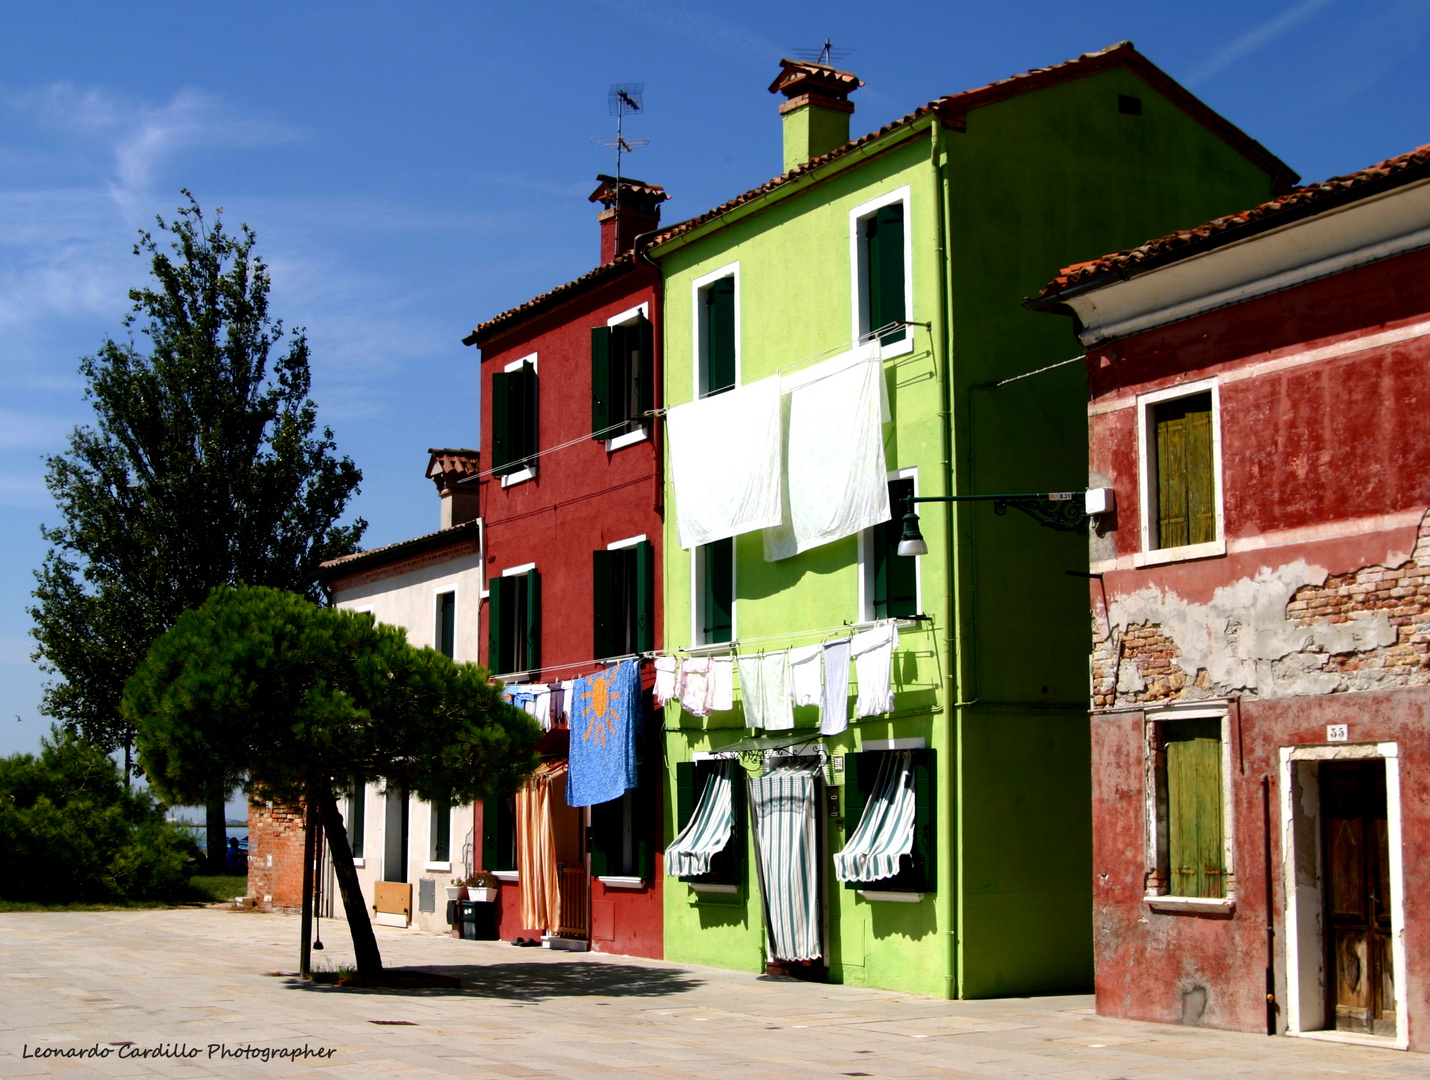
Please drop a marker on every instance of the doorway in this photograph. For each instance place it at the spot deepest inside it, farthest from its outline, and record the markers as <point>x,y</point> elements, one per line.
<point>394,835</point>
<point>1356,846</point>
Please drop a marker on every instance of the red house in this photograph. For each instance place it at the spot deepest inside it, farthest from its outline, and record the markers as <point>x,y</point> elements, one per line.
<point>1259,421</point>
<point>571,505</point>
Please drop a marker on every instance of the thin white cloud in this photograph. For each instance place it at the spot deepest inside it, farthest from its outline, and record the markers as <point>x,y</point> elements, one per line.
<point>700,28</point>
<point>1257,38</point>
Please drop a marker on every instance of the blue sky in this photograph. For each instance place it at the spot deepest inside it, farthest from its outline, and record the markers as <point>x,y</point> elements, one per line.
<point>412,168</point>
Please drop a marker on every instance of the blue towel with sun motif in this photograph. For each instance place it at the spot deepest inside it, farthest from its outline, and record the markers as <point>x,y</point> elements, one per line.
<point>604,711</point>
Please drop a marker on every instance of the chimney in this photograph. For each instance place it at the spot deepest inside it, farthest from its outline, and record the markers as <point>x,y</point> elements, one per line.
<point>447,469</point>
<point>816,110</point>
<point>631,206</point>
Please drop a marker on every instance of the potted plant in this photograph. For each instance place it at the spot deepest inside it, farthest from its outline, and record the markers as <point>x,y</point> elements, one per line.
<point>482,886</point>
<point>454,890</point>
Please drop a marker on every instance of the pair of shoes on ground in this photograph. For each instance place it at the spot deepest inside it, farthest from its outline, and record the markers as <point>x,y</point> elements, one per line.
<point>527,943</point>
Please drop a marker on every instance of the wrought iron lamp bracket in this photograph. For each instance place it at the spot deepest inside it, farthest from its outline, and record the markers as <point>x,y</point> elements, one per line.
<point>1064,511</point>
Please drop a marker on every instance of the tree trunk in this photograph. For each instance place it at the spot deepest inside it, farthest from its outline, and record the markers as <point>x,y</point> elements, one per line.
<point>369,960</point>
<point>305,937</point>
<point>217,834</point>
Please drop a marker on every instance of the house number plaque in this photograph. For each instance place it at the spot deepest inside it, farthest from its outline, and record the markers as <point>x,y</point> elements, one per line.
<point>1338,732</point>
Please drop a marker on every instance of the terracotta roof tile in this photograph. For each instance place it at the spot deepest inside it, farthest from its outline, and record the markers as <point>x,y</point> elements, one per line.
<point>449,466</point>
<point>954,107</point>
<point>1297,203</point>
<point>359,560</point>
<point>617,266</point>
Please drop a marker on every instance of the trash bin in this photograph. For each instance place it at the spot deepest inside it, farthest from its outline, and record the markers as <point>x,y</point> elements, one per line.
<point>478,920</point>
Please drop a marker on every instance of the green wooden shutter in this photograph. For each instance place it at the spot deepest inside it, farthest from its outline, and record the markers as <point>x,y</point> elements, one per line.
<point>643,365</point>
<point>884,239</point>
<point>856,793</point>
<point>645,596</point>
<point>718,590</point>
<point>1195,833</point>
<point>719,335</point>
<point>497,605</point>
<point>446,624</point>
<point>1186,486</point>
<point>501,423</point>
<point>894,577</point>
<point>600,382</point>
<point>529,428</point>
<point>684,795</point>
<point>645,811</point>
<point>923,871</point>
<point>357,827</point>
<point>603,602</point>
<point>1201,480</point>
<point>498,835</point>
<point>533,620</point>
<point>605,826</point>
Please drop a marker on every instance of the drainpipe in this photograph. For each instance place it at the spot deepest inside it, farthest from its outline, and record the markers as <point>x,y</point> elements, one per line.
<point>939,339</point>
<point>657,398</point>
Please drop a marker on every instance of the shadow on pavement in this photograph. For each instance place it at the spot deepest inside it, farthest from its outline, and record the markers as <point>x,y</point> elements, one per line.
<point>536,982</point>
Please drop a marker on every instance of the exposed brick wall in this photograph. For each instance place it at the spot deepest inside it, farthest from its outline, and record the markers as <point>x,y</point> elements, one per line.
<point>275,855</point>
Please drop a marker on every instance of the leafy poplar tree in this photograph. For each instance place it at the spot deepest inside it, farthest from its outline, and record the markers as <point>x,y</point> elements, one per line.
<point>300,703</point>
<point>204,466</point>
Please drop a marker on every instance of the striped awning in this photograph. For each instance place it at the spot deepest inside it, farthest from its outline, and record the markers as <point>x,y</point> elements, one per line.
<point>708,830</point>
<point>783,808</point>
<point>886,829</point>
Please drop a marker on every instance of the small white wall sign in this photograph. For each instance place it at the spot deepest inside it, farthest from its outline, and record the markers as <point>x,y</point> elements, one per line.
<point>1338,732</point>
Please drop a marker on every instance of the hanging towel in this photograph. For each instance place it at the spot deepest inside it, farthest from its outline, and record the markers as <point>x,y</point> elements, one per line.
<point>558,704</point>
<point>720,686</point>
<point>667,672</point>
<point>522,697</point>
<point>604,710</point>
<point>725,461</point>
<point>786,857</point>
<point>776,708</point>
<point>834,717</point>
<point>694,685</point>
<point>836,482</point>
<point>806,675</point>
<point>541,705</point>
<point>750,697</point>
<point>874,667</point>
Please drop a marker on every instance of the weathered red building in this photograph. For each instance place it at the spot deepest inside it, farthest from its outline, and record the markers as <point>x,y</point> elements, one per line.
<point>1260,409</point>
<point>571,505</point>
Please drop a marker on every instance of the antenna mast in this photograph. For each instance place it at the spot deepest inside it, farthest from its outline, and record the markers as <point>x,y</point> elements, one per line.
<point>624,98</point>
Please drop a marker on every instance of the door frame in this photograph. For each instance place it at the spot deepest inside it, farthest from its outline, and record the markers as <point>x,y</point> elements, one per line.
<point>1304,892</point>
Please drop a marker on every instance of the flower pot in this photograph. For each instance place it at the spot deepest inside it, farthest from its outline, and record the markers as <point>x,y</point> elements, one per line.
<point>454,892</point>
<point>483,895</point>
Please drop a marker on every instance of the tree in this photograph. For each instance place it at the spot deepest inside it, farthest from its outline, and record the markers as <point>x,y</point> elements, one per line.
<point>204,467</point>
<point>71,830</point>
<point>299,702</point>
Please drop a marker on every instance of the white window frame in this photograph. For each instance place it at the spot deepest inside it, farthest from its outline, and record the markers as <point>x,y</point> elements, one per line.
<point>528,473</point>
<point>438,591</point>
<point>866,561</point>
<point>859,271</point>
<point>513,677</point>
<point>1164,900</point>
<point>698,646</point>
<point>697,314</point>
<point>640,435</point>
<point>438,864</point>
<point>1150,555</point>
<point>628,542</point>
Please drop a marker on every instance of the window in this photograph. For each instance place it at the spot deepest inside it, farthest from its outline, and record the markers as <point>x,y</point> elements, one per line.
<point>880,237</point>
<point>717,335</point>
<point>727,866</point>
<point>514,621</point>
<point>621,843</point>
<point>622,375</point>
<point>918,871</point>
<point>440,833</point>
<point>623,587</point>
<point>890,580</point>
<point>499,834</point>
<point>514,421</point>
<point>446,628</point>
<point>714,592</point>
<point>1191,858</point>
<point>357,816</point>
<point>1181,474</point>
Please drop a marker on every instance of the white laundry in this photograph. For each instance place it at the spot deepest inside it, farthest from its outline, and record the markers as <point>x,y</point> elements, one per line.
<point>835,477</point>
<point>806,675</point>
<point>873,652</point>
<point>725,461</point>
<point>667,671</point>
<point>834,717</point>
<point>776,708</point>
<point>720,685</point>
<point>750,696</point>
<point>541,705</point>
<point>693,686</point>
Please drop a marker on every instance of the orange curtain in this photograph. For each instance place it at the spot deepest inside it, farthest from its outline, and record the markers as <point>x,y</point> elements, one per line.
<point>536,850</point>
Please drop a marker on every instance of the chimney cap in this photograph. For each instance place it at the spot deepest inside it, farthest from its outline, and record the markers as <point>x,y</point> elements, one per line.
<point>800,77</point>
<point>447,467</point>
<point>647,196</point>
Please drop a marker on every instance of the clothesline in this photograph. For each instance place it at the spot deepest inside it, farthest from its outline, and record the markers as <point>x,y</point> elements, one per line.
<point>790,635</point>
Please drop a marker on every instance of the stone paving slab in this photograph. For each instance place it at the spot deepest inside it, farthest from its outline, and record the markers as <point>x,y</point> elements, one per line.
<point>186,985</point>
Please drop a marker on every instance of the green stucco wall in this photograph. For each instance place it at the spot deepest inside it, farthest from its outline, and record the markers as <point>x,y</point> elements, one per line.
<point>995,680</point>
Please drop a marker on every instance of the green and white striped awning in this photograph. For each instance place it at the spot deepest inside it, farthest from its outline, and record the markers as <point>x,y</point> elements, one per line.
<point>886,829</point>
<point>708,830</point>
<point>786,852</point>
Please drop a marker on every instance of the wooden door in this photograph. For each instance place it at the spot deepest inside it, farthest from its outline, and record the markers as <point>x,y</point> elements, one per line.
<point>1361,986</point>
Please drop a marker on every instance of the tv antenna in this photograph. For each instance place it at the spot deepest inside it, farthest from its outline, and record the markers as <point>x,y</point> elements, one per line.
<point>826,54</point>
<point>624,98</point>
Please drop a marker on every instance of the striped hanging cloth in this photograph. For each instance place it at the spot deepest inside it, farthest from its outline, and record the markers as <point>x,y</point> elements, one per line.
<point>782,805</point>
<point>708,830</point>
<point>536,849</point>
<point>886,829</point>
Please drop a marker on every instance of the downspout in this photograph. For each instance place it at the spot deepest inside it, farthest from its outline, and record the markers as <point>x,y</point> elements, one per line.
<point>939,339</point>
<point>657,397</point>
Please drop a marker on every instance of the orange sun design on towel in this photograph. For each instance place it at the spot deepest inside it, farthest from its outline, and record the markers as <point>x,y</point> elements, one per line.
<point>602,715</point>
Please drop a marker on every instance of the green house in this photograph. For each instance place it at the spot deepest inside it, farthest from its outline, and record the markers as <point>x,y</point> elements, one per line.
<point>916,245</point>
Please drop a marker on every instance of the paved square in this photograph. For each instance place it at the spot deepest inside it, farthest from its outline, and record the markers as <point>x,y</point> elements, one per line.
<point>176,983</point>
